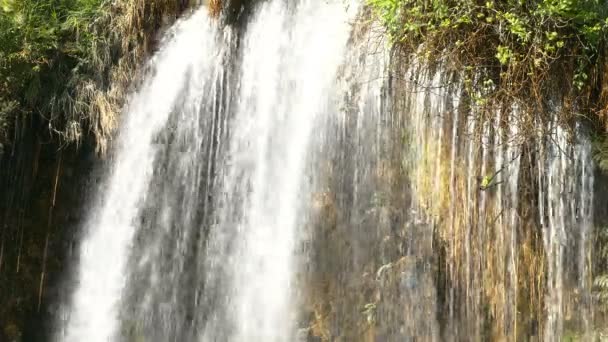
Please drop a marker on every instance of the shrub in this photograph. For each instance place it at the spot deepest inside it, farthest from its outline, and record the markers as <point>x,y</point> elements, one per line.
<point>520,47</point>
<point>70,61</point>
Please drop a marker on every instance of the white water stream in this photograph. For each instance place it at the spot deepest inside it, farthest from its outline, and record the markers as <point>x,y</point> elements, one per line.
<point>188,57</point>
<point>290,56</point>
<point>291,53</point>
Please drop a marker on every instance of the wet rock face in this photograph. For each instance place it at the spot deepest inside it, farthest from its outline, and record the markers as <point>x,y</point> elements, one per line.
<point>43,192</point>
<point>236,11</point>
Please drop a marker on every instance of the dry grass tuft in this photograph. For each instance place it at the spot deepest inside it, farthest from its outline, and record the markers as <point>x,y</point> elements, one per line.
<point>98,102</point>
<point>215,7</point>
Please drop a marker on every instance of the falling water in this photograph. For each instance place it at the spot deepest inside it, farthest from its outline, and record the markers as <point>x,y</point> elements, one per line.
<point>282,91</point>
<point>568,177</point>
<point>189,55</point>
<point>194,235</point>
<point>492,194</point>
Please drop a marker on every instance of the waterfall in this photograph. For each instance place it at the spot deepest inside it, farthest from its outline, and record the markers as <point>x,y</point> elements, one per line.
<point>282,91</point>
<point>188,58</point>
<point>194,232</point>
<point>292,176</point>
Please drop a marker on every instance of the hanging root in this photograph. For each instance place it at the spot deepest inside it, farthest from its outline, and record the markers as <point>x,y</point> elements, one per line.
<point>48,231</point>
<point>215,7</point>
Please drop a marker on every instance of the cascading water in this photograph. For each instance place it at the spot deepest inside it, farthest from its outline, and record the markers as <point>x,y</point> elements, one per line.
<point>294,177</point>
<point>188,58</point>
<point>210,173</point>
<point>281,92</point>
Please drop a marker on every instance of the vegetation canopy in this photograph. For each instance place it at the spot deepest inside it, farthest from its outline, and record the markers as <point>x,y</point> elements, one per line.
<point>47,47</point>
<point>513,50</point>
<point>70,62</point>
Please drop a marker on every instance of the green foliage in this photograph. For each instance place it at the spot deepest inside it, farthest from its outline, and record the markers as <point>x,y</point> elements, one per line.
<point>44,44</point>
<point>68,63</point>
<point>503,54</point>
<point>485,182</point>
<point>369,311</point>
<point>523,38</point>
